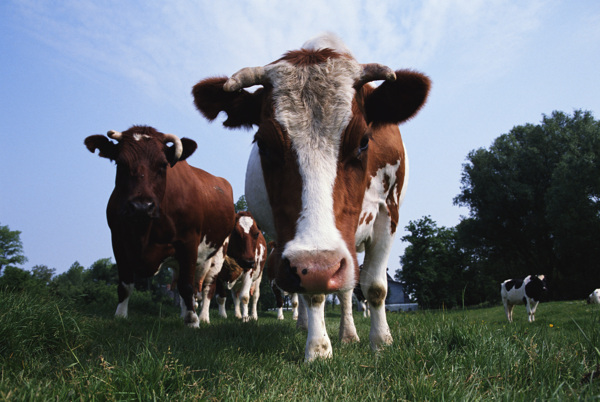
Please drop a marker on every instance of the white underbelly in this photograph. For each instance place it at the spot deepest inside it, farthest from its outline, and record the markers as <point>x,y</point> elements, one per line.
<point>256,194</point>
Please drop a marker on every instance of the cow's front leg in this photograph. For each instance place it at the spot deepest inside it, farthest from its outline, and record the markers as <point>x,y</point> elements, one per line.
<point>237,311</point>
<point>124,290</point>
<point>302,321</point>
<point>294,298</point>
<point>347,328</point>
<point>255,294</point>
<point>531,307</point>
<point>318,344</point>
<point>373,281</point>
<point>221,302</point>
<point>186,292</point>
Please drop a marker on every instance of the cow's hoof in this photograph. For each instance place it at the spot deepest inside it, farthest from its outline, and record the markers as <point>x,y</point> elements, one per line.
<point>349,338</point>
<point>191,320</point>
<point>380,340</point>
<point>320,350</point>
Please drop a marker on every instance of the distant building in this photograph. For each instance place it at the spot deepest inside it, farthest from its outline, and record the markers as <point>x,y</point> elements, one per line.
<point>397,299</point>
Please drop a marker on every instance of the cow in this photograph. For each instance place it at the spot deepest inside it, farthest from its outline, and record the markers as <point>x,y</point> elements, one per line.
<point>363,303</point>
<point>326,174</point>
<point>594,297</point>
<point>526,291</point>
<point>280,294</point>
<point>160,208</point>
<point>247,254</point>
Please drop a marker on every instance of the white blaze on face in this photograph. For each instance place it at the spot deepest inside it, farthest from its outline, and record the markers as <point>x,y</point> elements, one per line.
<point>138,136</point>
<point>246,223</point>
<point>314,105</point>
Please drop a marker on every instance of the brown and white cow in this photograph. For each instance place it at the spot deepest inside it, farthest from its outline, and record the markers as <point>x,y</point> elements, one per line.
<point>247,254</point>
<point>327,172</point>
<point>162,207</point>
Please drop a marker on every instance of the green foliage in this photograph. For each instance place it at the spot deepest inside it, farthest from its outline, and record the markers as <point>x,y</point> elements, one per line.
<point>433,266</point>
<point>11,248</point>
<point>241,204</point>
<point>436,355</point>
<point>533,200</point>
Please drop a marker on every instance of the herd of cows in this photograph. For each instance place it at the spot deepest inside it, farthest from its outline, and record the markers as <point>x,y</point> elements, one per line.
<point>325,178</point>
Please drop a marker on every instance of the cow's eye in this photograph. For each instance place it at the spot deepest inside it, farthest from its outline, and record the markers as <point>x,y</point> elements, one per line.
<point>268,153</point>
<point>255,235</point>
<point>363,146</point>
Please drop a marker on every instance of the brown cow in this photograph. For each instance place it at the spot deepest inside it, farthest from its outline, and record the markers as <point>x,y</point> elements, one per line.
<point>162,207</point>
<point>327,172</point>
<point>242,272</point>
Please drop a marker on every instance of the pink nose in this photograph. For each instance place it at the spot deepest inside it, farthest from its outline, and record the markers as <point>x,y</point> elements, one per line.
<point>319,274</point>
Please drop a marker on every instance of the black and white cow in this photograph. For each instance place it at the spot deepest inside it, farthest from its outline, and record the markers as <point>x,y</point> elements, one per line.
<point>594,297</point>
<point>526,291</point>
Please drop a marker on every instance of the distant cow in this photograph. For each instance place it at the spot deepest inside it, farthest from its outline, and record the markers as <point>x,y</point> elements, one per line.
<point>363,303</point>
<point>242,272</point>
<point>594,297</point>
<point>162,207</point>
<point>280,294</point>
<point>526,291</point>
<point>327,172</point>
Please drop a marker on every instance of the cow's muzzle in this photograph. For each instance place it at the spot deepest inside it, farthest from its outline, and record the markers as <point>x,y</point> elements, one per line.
<point>142,209</point>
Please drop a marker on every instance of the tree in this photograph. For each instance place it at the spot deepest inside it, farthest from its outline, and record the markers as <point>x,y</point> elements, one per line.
<point>42,273</point>
<point>433,265</point>
<point>241,204</point>
<point>11,248</point>
<point>533,200</point>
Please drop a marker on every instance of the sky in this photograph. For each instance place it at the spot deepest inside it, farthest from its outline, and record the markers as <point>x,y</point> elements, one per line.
<point>70,69</point>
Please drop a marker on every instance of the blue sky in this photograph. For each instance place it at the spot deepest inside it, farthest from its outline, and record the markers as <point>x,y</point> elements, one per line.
<point>70,69</point>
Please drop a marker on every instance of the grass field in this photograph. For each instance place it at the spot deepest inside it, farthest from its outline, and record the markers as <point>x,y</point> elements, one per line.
<point>49,351</point>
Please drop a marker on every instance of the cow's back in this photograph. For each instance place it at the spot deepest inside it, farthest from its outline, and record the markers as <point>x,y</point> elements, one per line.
<point>200,200</point>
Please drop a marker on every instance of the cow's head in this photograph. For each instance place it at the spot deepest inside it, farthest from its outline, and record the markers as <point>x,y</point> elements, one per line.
<point>315,114</point>
<point>244,239</point>
<point>143,159</point>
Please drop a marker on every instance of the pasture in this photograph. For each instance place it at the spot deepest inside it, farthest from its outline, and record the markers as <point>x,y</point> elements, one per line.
<point>51,351</point>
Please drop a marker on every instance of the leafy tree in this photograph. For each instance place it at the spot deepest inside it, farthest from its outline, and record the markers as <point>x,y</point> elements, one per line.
<point>15,279</point>
<point>103,270</point>
<point>11,248</point>
<point>533,200</point>
<point>433,265</point>
<point>241,204</point>
<point>43,274</point>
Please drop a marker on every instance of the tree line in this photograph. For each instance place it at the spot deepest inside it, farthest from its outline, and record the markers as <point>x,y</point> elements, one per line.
<point>534,208</point>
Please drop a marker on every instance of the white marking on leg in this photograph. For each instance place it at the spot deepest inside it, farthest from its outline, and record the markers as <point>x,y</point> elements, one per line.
<point>221,302</point>
<point>318,344</point>
<point>123,306</point>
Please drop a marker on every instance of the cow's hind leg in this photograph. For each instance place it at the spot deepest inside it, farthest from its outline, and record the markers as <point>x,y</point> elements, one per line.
<point>347,329</point>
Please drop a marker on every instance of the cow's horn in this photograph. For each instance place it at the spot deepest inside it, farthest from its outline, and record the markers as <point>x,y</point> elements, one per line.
<point>374,72</point>
<point>115,135</point>
<point>176,143</point>
<point>245,78</point>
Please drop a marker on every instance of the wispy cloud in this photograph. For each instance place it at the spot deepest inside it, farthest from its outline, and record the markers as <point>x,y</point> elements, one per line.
<point>164,48</point>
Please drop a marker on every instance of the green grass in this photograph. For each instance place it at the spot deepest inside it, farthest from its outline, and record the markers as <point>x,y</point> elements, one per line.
<point>49,351</point>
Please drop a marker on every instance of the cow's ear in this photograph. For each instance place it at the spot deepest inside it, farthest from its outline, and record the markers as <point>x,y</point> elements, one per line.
<point>189,146</point>
<point>394,102</point>
<point>243,108</point>
<point>108,149</point>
